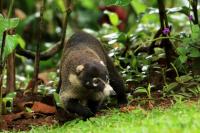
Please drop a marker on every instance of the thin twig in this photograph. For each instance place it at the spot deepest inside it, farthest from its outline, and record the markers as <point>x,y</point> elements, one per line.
<point>164,37</point>
<point>68,11</point>
<point>10,8</point>
<point>37,56</point>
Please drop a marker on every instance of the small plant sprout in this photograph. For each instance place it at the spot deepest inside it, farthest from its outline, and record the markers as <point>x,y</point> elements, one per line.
<point>8,102</point>
<point>145,90</point>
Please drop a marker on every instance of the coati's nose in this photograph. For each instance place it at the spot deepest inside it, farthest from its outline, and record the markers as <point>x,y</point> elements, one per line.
<point>112,93</point>
<point>108,90</point>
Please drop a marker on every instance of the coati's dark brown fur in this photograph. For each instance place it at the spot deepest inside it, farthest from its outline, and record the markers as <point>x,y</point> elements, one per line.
<point>87,76</point>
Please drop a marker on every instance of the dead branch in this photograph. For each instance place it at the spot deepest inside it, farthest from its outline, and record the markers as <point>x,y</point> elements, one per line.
<point>45,55</point>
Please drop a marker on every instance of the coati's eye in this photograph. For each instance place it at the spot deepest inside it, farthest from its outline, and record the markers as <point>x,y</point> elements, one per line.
<point>87,83</point>
<point>95,82</point>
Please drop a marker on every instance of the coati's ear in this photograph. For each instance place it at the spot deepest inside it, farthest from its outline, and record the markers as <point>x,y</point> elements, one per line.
<point>79,69</point>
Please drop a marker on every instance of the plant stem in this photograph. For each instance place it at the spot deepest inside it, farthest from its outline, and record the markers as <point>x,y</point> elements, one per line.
<point>1,6</point>
<point>1,97</point>
<point>1,69</point>
<point>163,37</point>
<point>163,74</point>
<point>2,48</point>
<point>161,8</point>
<point>37,56</point>
<point>10,8</point>
<point>175,69</point>
<point>10,82</point>
<point>194,4</point>
<point>68,11</point>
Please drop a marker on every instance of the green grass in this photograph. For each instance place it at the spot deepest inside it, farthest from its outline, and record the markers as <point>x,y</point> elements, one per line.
<point>180,118</point>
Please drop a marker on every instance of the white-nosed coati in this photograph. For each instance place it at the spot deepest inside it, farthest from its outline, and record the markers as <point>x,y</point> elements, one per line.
<point>87,76</point>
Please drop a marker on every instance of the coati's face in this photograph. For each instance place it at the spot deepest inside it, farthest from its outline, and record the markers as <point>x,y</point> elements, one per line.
<point>94,76</point>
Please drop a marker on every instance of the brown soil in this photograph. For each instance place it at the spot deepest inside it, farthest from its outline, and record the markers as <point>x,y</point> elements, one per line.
<point>25,124</point>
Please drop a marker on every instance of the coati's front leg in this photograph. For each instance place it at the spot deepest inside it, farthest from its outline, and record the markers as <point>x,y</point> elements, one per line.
<point>117,83</point>
<point>93,105</point>
<point>74,106</point>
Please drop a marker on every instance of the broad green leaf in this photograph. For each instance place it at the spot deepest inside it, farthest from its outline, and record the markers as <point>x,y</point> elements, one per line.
<point>140,90</point>
<point>1,17</point>
<point>184,10</point>
<point>3,24</point>
<point>194,52</point>
<point>195,33</point>
<point>58,100</point>
<point>183,58</point>
<point>181,51</point>
<point>151,10</point>
<point>138,6</point>
<point>13,22</point>
<point>122,37</point>
<point>183,79</point>
<point>185,94</point>
<point>89,4</point>
<point>195,36</point>
<point>133,62</point>
<point>178,97</point>
<point>29,110</point>
<point>11,94</point>
<point>171,86</point>
<point>112,17</point>
<point>186,41</point>
<point>173,10</point>
<point>117,2</point>
<point>20,41</point>
<point>60,4</point>
<point>11,43</point>
<point>195,29</point>
<point>8,23</point>
<point>48,15</point>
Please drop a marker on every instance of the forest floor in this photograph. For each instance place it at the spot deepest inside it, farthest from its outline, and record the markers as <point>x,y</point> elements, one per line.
<point>141,115</point>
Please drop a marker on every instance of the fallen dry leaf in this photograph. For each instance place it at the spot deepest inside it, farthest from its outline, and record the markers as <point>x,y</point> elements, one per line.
<point>10,117</point>
<point>150,105</point>
<point>43,108</point>
<point>127,108</point>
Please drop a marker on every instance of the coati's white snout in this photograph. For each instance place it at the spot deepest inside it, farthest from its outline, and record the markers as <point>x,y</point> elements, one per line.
<point>108,90</point>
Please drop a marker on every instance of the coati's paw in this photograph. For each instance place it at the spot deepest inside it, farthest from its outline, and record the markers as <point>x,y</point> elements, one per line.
<point>87,114</point>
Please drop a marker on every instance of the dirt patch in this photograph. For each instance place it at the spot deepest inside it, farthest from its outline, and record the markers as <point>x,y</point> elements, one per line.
<point>29,110</point>
<point>26,124</point>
